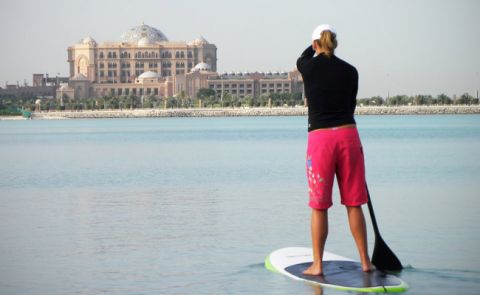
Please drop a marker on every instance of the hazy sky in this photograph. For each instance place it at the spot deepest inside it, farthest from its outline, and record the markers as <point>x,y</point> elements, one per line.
<point>402,47</point>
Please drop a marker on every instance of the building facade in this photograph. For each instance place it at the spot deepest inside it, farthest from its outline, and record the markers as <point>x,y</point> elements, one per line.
<point>241,85</point>
<point>141,49</point>
<point>145,63</point>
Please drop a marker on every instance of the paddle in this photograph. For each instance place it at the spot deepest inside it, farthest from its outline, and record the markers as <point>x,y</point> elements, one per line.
<point>383,258</point>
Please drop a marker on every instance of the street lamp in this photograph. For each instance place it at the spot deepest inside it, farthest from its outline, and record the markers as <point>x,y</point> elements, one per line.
<point>477,85</point>
<point>388,87</point>
<point>221,93</point>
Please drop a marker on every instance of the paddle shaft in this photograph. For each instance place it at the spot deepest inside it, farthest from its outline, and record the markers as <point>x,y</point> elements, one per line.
<point>372,215</point>
<point>383,257</point>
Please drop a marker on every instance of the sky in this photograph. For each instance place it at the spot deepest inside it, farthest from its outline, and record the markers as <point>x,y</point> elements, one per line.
<point>398,47</point>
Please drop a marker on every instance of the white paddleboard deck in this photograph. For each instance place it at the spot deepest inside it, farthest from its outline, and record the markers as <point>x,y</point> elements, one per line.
<point>339,272</point>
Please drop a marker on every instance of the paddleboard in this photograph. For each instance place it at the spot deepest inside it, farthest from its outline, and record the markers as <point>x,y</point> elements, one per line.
<point>339,272</point>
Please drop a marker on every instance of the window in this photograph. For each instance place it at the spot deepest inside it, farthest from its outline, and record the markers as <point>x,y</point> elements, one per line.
<point>101,54</point>
<point>166,54</point>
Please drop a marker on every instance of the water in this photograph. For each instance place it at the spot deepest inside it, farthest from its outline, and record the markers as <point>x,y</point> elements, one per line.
<point>194,205</point>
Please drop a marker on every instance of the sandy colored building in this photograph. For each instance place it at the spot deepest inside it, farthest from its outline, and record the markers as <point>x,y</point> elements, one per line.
<point>255,84</point>
<point>117,67</point>
<point>145,63</point>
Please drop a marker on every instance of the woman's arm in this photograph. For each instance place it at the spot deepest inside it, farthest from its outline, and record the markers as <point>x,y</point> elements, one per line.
<point>304,58</point>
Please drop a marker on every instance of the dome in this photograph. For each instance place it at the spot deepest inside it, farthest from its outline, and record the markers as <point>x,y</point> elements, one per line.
<point>202,67</point>
<point>145,41</point>
<point>147,75</point>
<point>88,40</point>
<point>138,33</point>
<point>199,41</point>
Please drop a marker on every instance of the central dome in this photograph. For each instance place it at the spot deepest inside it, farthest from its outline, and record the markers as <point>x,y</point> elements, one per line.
<point>147,34</point>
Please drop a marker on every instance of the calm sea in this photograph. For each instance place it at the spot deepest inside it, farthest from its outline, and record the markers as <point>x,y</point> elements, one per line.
<point>194,205</point>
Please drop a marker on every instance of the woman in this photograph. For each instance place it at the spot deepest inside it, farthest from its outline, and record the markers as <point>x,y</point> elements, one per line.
<point>334,146</point>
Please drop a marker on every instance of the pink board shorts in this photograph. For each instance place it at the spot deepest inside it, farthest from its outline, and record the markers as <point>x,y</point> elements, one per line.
<point>330,152</point>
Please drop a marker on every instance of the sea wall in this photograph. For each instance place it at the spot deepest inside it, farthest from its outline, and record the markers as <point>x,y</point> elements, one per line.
<point>235,112</point>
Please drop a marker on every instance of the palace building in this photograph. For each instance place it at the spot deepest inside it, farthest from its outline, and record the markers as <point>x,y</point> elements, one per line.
<point>145,63</point>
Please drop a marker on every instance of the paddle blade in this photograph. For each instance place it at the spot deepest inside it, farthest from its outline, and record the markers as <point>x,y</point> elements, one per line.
<point>383,258</point>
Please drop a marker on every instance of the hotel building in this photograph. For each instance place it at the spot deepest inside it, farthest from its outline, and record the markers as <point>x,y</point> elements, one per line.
<point>145,62</point>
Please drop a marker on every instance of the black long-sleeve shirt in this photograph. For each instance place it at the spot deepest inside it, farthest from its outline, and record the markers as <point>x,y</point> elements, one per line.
<point>331,86</point>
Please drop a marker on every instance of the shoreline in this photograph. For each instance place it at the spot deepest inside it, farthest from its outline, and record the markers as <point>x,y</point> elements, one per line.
<point>239,112</point>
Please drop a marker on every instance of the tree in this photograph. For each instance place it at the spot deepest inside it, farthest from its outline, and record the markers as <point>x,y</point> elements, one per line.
<point>262,100</point>
<point>249,101</point>
<point>422,99</point>
<point>172,102</point>
<point>376,101</point>
<point>297,97</point>
<point>227,100</point>
<point>443,99</point>
<point>465,99</point>
<point>207,95</point>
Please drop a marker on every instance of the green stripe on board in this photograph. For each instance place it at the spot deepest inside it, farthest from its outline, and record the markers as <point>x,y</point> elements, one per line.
<point>269,266</point>
<point>381,289</point>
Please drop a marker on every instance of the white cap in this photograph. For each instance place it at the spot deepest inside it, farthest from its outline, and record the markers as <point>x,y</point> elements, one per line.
<point>317,33</point>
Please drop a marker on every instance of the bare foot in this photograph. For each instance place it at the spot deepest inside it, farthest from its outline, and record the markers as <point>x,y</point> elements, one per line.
<point>314,270</point>
<point>367,266</point>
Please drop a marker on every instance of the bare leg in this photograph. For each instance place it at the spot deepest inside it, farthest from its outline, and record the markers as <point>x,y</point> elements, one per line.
<point>359,232</point>
<point>319,231</point>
